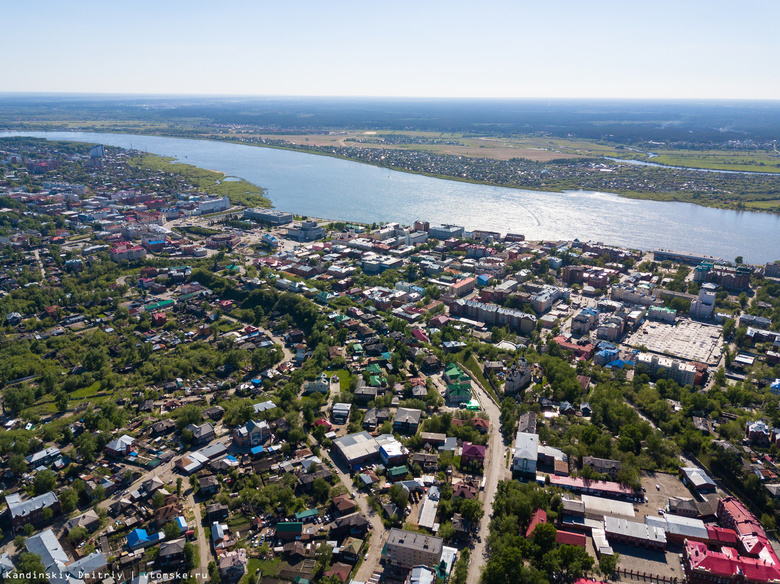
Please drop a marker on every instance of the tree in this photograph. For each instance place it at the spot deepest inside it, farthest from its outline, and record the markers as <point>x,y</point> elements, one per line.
<point>214,576</point>
<point>178,486</point>
<point>189,556</point>
<point>29,570</point>
<point>158,500</point>
<point>76,535</point>
<point>446,531</point>
<point>44,482</point>
<point>607,564</point>
<point>18,464</point>
<point>171,530</point>
<point>738,260</point>
<point>61,401</point>
<point>544,537</point>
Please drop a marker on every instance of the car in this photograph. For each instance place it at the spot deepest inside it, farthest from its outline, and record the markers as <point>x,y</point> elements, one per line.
<point>658,487</point>
<point>365,558</point>
<point>660,511</point>
<point>644,490</point>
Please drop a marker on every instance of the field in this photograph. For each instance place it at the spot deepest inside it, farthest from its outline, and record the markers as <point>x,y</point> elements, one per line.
<point>750,160</point>
<point>531,148</point>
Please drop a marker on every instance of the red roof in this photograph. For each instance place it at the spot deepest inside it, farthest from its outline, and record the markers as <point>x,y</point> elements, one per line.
<point>539,516</point>
<point>420,335</point>
<point>569,538</point>
<point>721,535</point>
<point>727,563</point>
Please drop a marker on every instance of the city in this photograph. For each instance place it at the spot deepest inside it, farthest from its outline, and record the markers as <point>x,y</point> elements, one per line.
<point>198,387</point>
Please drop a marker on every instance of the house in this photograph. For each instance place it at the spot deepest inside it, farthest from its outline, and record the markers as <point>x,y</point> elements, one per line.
<point>354,525</point>
<point>209,485</point>
<point>163,427</point>
<point>427,462</point>
<point>140,539</point>
<point>167,513</point>
<point>252,433</point>
<point>407,420</point>
<point>343,505</point>
<point>120,447</point>
<point>375,417</point>
<point>602,465</point>
<point>340,571</point>
<point>30,510</point>
<point>89,521</point>
<point>462,527</point>
<point>697,479</point>
<point>526,454</point>
<point>214,413</point>
<point>350,549</point>
<point>171,553</point>
<point>472,454</point>
<point>319,385</point>
<point>365,394</point>
<point>201,434</point>
<point>233,565</point>
<point>216,512</point>
<point>464,490</point>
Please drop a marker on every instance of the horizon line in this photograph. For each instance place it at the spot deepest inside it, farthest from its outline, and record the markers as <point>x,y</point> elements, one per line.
<point>382,97</point>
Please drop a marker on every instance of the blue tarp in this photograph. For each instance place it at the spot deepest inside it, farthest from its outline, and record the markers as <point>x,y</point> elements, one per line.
<point>257,450</point>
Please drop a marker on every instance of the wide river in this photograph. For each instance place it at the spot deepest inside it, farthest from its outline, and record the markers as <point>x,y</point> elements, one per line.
<point>322,186</point>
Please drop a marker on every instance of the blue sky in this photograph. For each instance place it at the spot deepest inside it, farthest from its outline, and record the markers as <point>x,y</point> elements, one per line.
<point>661,49</point>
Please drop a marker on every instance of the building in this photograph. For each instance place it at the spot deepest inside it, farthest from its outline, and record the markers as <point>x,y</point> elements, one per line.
<point>666,367</point>
<point>120,447</point>
<point>421,575</point>
<point>704,566</point>
<point>306,231</point>
<point>270,216</point>
<point>406,549</point>
<point>517,377</point>
<point>357,448</point>
<point>232,565</point>
<point>59,567</point>
<point>252,433</point>
<point>201,434</point>
<point>407,420</point>
<point>494,314</point>
<point>472,454</point>
<point>634,533</point>
<point>445,232</point>
<point>697,479</point>
<point>30,510</point>
<point>340,413</point>
<point>602,465</point>
<point>526,454</point>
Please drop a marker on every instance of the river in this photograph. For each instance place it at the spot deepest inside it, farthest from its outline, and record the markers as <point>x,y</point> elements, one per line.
<point>321,186</point>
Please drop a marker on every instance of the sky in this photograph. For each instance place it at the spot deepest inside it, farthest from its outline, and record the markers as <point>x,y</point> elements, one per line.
<point>424,48</point>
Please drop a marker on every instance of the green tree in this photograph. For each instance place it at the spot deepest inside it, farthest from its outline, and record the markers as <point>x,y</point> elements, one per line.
<point>44,482</point>
<point>29,570</point>
<point>76,535</point>
<point>607,564</point>
<point>158,500</point>
<point>171,530</point>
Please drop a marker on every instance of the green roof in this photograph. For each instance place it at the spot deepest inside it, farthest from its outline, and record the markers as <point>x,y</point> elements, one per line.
<point>398,471</point>
<point>374,369</point>
<point>377,381</point>
<point>289,527</point>
<point>306,514</point>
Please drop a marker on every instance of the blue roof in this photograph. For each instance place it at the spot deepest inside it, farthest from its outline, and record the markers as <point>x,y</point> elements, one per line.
<point>181,522</point>
<point>257,450</point>
<point>231,458</point>
<point>257,381</point>
<point>136,537</point>
<point>619,363</point>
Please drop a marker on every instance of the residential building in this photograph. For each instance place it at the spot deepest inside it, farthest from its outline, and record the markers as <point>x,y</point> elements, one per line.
<point>517,377</point>
<point>232,565</point>
<point>602,465</point>
<point>526,454</point>
<point>252,433</point>
<point>30,510</point>
<point>407,420</point>
<point>60,569</point>
<point>406,549</point>
<point>120,447</point>
<point>201,434</point>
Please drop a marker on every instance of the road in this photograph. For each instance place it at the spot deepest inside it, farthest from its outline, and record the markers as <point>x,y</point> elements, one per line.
<point>495,470</point>
<point>203,545</point>
<point>378,535</point>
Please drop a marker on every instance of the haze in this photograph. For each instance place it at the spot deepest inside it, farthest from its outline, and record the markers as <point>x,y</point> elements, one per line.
<point>664,49</point>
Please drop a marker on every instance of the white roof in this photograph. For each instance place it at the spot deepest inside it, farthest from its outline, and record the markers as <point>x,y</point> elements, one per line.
<point>526,446</point>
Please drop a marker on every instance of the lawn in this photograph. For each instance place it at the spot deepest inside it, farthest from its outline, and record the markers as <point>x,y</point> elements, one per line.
<point>86,392</point>
<point>344,378</point>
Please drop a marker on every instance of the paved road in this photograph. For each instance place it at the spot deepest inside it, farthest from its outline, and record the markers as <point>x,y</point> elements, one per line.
<point>495,470</point>
<point>378,535</point>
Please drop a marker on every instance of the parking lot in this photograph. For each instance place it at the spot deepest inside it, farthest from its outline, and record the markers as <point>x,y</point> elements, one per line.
<point>670,486</point>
